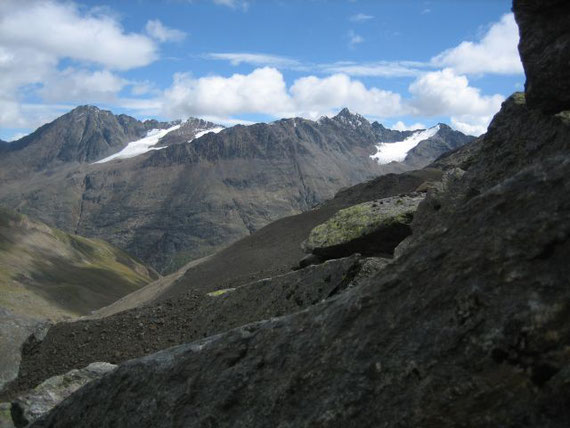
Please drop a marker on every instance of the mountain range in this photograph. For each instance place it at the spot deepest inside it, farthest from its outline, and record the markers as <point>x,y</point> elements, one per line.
<point>171,192</point>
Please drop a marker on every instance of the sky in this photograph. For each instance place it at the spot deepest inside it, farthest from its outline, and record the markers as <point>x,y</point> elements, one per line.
<point>406,63</point>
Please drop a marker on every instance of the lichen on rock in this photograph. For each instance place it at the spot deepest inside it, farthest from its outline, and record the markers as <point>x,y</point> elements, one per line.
<point>369,228</point>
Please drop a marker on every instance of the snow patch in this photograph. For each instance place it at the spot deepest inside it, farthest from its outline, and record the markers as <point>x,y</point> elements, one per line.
<point>397,151</point>
<point>202,132</point>
<point>141,146</point>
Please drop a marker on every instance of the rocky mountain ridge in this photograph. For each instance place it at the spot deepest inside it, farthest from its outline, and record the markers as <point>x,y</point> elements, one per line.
<point>185,201</point>
<point>85,134</point>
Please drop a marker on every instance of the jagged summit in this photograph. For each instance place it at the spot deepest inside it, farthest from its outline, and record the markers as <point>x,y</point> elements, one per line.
<point>353,119</point>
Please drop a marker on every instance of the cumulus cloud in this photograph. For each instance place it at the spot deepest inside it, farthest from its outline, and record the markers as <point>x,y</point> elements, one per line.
<point>496,52</point>
<point>444,92</point>
<point>61,30</point>
<point>14,114</point>
<point>471,125</point>
<point>162,33</point>
<point>339,90</point>
<point>78,85</point>
<point>264,91</point>
<point>35,36</point>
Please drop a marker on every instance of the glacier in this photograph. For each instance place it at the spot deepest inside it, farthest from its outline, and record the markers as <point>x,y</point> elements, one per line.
<point>397,151</point>
<point>141,146</point>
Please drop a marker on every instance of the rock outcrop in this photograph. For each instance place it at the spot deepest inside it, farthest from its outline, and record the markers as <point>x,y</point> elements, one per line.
<point>545,51</point>
<point>36,403</point>
<point>371,228</point>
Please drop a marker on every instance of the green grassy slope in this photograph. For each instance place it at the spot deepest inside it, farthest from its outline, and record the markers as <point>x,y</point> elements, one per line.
<point>46,273</point>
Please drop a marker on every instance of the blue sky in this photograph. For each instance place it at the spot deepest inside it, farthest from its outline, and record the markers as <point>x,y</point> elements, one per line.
<point>406,63</point>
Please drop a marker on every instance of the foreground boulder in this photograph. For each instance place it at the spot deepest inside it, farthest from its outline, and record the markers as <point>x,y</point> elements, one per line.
<point>48,394</point>
<point>545,51</point>
<point>370,228</point>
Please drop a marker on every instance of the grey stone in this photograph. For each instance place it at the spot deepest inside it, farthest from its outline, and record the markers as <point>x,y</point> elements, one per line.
<point>369,228</point>
<point>34,404</point>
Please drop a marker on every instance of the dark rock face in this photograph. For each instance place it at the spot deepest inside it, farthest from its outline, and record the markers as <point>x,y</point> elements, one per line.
<point>545,50</point>
<point>468,327</point>
<point>444,141</point>
<point>187,132</point>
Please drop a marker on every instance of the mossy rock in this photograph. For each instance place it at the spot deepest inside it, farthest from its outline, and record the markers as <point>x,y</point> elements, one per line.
<point>370,228</point>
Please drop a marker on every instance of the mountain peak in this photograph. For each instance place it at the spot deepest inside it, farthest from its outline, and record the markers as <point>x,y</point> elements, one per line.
<point>346,117</point>
<point>85,109</point>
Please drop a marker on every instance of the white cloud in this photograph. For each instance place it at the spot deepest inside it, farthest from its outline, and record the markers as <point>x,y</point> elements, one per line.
<point>264,91</point>
<point>360,17</point>
<point>339,90</point>
<point>237,58</point>
<point>471,125</point>
<point>401,126</point>
<point>35,36</point>
<point>79,85</point>
<point>444,93</point>
<point>162,33</point>
<point>60,30</point>
<point>371,69</point>
<point>14,114</point>
<point>496,52</point>
<point>375,69</point>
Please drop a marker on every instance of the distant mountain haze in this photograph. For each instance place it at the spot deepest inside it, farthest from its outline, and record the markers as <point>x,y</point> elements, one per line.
<point>168,197</point>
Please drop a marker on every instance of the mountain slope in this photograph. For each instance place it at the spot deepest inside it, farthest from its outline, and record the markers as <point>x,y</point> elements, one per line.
<point>85,134</point>
<point>190,199</point>
<point>46,273</point>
